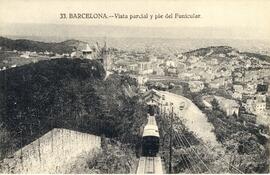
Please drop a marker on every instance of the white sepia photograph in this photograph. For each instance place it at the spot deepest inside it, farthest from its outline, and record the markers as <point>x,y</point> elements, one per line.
<point>134,87</point>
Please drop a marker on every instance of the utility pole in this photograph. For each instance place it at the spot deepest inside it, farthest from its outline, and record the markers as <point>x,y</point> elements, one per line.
<point>171,124</point>
<point>161,109</point>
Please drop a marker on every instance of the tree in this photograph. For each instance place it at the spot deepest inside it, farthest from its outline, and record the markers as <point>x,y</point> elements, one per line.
<point>215,104</point>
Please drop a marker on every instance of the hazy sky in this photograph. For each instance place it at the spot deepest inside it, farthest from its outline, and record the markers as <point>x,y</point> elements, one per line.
<point>246,18</point>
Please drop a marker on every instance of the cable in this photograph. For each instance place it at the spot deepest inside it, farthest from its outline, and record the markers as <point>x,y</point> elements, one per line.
<point>190,154</point>
<point>191,157</point>
<point>182,157</point>
<point>178,141</point>
<point>186,164</point>
<point>182,140</point>
<point>239,171</point>
<point>196,153</point>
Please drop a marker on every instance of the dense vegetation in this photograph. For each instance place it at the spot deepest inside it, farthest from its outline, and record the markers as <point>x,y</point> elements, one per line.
<point>115,158</point>
<point>240,136</point>
<point>67,94</point>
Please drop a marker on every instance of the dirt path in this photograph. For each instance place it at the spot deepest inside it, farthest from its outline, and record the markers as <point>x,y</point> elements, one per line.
<point>192,117</point>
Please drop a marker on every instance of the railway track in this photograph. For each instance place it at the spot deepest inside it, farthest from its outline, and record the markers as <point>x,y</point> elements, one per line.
<point>150,165</point>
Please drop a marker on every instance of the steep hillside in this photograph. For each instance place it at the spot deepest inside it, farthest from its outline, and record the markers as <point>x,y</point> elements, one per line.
<point>29,45</point>
<point>63,93</point>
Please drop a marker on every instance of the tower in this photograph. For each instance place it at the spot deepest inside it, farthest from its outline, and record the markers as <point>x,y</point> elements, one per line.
<point>105,56</point>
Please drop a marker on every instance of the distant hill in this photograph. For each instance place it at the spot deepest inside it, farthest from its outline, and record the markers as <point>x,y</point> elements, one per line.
<point>29,45</point>
<point>259,56</point>
<point>212,49</point>
<point>226,50</point>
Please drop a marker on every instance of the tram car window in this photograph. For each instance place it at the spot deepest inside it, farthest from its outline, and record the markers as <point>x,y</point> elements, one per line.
<point>182,106</point>
<point>151,110</point>
<point>163,97</point>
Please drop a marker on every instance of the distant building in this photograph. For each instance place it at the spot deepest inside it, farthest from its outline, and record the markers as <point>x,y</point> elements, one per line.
<point>152,58</point>
<point>237,95</point>
<point>230,107</point>
<point>214,61</point>
<point>133,67</point>
<point>87,52</point>
<point>238,88</point>
<point>145,67</point>
<point>159,71</point>
<point>193,59</point>
<point>250,88</point>
<point>25,55</point>
<point>171,71</point>
<point>260,103</point>
<point>95,53</point>
<point>141,80</point>
<point>222,55</point>
<point>73,54</point>
<point>221,81</point>
<point>170,63</point>
<point>256,104</point>
<point>262,88</point>
<point>153,97</point>
<point>196,86</point>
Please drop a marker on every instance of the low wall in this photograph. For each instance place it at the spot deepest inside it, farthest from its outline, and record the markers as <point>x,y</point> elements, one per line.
<point>54,152</point>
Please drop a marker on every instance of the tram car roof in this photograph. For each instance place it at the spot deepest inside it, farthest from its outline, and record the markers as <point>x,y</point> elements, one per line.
<point>151,103</point>
<point>151,120</point>
<point>150,130</point>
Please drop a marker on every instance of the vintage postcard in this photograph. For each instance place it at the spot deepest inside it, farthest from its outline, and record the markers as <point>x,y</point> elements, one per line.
<point>134,87</point>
